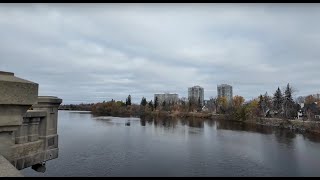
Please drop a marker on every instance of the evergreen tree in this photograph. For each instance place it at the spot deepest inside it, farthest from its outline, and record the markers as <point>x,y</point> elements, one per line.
<point>156,103</point>
<point>129,100</point>
<point>288,102</point>
<point>199,104</point>
<point>151,105</point>
<point>192,104</point>
<point>143,101</point>
<point>267,100</point>
<point>277,100</point>
<point>261,102</point>
<point>163,103</point>
<point>288,94</point>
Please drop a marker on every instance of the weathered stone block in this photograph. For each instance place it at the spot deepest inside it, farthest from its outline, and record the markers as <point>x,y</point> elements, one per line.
<point>16,90</point>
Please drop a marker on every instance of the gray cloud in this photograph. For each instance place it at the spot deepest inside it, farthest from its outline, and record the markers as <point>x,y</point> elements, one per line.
<point>95,52</point>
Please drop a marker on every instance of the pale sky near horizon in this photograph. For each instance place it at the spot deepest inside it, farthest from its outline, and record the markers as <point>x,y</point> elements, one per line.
<point>94,52</point>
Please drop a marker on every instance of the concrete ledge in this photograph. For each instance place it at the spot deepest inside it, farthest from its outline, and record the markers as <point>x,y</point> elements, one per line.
<point>35,113</point>
<point>7,169</point>
<point>49,99</point>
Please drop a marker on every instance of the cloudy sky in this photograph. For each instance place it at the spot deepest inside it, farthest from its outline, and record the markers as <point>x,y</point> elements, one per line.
<point>94,52</point>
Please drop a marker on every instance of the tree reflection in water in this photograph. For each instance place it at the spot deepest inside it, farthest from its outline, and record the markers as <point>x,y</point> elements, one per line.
<point>195,122</point>
<point>240,126</point>
<point>282,135</point>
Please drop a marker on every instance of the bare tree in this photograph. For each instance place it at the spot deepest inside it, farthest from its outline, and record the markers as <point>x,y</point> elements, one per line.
<point>300,99</point>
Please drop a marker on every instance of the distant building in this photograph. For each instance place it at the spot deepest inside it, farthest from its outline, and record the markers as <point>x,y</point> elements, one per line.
<point>196,92</point>
<point>317,96</point>
<point>225,90</point>
<point>205,109</point>
<point>166,97</point>
<point>312,110</point>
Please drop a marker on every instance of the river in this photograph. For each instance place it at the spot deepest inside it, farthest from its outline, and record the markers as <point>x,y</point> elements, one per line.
<point>90,146</point>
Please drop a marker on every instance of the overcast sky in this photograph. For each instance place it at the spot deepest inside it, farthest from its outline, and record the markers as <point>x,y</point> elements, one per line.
<point>94,52</point>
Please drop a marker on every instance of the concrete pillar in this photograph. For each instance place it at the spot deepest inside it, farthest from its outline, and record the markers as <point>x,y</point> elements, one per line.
<point>33,129</point>
<point>49,125</point>
<point>16,97</point>
<point>22,132</point>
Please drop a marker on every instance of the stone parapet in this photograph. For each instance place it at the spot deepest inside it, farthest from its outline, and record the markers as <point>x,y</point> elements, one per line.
<point>27,137</point>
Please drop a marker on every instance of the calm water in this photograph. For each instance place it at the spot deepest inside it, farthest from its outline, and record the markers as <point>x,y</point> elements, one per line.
<point>106,147</point>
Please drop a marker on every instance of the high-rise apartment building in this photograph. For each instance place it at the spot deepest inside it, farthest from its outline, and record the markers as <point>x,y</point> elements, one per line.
<point>196,92</point>
<point>225,90</point>
<point>167,97</point>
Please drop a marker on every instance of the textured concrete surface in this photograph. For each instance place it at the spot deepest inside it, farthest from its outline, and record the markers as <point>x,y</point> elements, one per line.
<point>35,113</point>
<point>17,90</point>
<point>49,99</point>
<point>16,97</point>
<point>11,115</point>
<point>7,169</point>
<point>27,137</point>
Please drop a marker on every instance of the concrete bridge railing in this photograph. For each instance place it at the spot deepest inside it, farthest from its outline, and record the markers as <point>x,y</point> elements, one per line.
<point>27,137</point>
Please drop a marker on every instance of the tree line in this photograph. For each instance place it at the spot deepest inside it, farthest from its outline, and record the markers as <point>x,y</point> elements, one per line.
<point>280,105</point>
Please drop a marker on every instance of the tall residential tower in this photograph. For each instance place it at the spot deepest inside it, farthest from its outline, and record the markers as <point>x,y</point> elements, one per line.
<point>196,92</point>
<point>225,90</point>
<point>166,97</point>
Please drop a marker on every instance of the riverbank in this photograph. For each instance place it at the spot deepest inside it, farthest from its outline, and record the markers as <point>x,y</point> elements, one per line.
<point>176,114</point>
<point>294,125</point>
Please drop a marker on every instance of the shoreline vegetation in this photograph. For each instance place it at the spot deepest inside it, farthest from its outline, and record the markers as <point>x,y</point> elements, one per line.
<point>278,110</point>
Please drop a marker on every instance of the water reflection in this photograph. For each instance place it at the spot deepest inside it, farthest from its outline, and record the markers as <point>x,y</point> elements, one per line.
<point>178,147</point>
<point>211,123</point>
<point>168,123</point>
<point>284,136</point>
<point>194,122</point>
<point>312,137</point>
<point>240,126</point>
<point>143,122</point>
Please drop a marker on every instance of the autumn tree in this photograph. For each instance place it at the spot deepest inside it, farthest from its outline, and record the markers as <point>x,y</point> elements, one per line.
<point>223,104</point>
<point>238,101</point>
<point>309,99</point>
<point>253,108</point>
<point>237,111</point>
<point>121,103</point>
